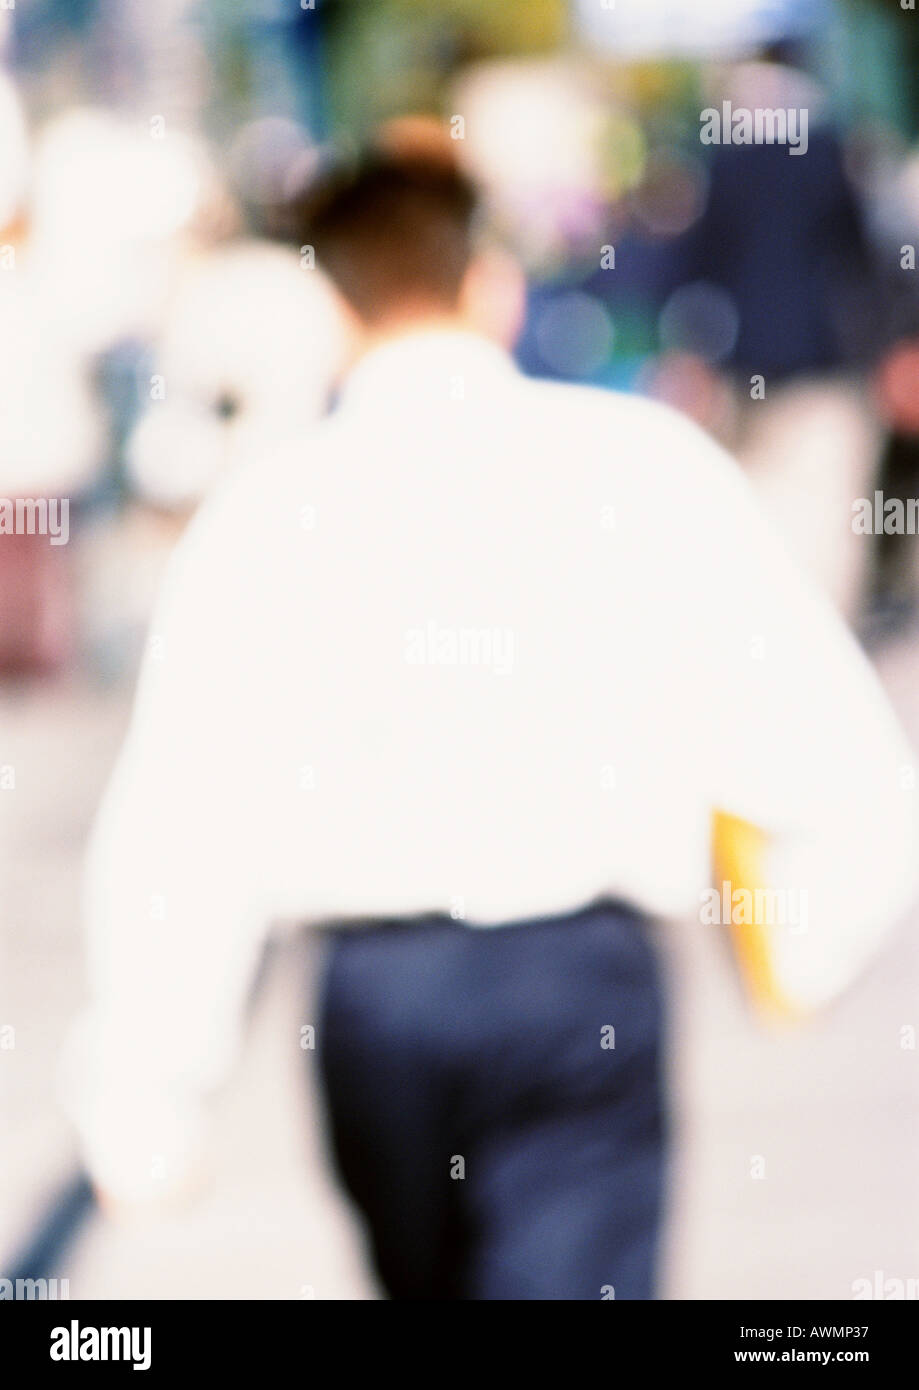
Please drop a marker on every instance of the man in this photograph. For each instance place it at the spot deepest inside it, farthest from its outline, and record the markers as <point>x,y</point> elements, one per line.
<point>482,653</point>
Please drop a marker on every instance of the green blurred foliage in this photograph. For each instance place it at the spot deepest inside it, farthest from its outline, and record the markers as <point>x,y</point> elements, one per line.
<point>386,57</point>
<point>508,26</point>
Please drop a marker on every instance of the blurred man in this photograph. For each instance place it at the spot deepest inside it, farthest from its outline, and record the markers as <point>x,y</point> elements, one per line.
<point>467,676</point>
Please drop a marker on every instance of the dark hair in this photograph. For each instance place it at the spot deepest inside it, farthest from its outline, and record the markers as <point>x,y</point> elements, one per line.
<point>392,230</point>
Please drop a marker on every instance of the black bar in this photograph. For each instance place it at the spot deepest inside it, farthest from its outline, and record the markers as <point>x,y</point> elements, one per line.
<point>305,1339</point>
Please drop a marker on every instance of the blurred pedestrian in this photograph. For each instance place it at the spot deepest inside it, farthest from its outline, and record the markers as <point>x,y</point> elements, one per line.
<point>467,676</point>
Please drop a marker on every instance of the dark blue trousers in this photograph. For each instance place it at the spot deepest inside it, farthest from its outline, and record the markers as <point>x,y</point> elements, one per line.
<point>496,1103</point>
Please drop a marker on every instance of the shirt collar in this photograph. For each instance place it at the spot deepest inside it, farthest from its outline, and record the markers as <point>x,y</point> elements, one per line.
<point>430,365</point>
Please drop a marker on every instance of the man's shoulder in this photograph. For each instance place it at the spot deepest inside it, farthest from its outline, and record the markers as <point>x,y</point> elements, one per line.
<point>267,482</point>
<point>650,442</point>
<point>250,515</point>
<point>629,409</point>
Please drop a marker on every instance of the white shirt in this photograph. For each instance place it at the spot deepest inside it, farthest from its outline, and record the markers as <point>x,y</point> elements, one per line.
<point>482,645</point>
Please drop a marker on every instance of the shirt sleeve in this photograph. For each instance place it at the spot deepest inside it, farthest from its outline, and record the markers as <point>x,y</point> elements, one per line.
<point>173,892</point>
<point>801,741</point>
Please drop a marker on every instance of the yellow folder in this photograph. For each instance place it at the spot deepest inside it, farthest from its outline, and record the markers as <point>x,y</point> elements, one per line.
<point>739,858</point>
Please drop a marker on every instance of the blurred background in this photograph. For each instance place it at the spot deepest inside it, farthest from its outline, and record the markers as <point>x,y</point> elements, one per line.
<point>159,324</point>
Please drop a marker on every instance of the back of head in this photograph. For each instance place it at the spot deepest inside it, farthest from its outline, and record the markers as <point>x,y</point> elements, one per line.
<point>394,231</point>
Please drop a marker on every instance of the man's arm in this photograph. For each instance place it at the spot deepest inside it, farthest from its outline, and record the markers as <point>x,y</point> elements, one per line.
<point>811,780</point>
<point>173,903</point>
